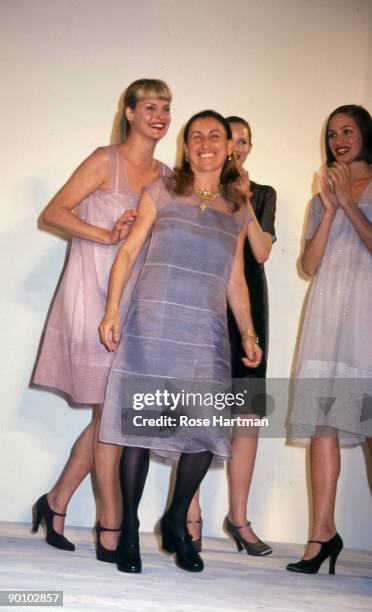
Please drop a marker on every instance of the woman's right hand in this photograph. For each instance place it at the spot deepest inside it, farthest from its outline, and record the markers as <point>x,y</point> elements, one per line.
<point>327,193</point>
<point>109,330</point>
<point>122,226</point>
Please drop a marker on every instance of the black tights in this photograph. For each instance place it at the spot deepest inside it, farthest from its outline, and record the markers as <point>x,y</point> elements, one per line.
<point>134,466</point>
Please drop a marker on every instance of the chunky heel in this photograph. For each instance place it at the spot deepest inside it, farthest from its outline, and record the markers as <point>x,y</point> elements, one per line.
<point>331,548</point>
<point>187,558</point>
<point>44,512</point>
<point>166,542</point>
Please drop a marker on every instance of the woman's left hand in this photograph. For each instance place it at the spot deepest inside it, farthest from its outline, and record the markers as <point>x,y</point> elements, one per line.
<point>340,177</point>
<point>253,352</point>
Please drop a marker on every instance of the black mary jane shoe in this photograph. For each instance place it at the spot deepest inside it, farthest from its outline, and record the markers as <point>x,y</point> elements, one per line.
<point>43,512</point>
<point>186,557</point>
<point>256,549</point>
<point>128,558</point>
<point>331,548</point>
<point>102,553</point>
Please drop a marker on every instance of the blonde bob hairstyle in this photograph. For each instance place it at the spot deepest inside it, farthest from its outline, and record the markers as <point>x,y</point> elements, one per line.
<point>138,90</point>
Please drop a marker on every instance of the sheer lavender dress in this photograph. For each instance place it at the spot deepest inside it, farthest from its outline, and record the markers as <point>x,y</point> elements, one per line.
<point>71,357</point>
<point>175,337</point>
<point>333,384</point>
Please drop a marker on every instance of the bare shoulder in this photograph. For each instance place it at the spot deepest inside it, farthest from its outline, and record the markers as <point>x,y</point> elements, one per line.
<point>97,159</point>
<point>94,168</point>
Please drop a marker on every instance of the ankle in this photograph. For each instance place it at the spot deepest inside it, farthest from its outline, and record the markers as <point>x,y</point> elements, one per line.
<point>57,502</point>
<point>109,522</point>
<point>238,518</point>
<point>323,532</point>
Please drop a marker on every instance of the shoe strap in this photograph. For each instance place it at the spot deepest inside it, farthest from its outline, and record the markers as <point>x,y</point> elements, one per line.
<point>100,528</point>
<point>57,513</point>
<point>196,521</point>
<point>247,524</point>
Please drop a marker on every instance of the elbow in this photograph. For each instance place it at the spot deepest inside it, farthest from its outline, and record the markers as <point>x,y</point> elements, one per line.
<point>263,257</point>
<point>47,217</point>
<point>51,217</point>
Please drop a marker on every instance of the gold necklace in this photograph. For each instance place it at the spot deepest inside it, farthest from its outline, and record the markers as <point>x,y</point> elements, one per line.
<point>206,196</point>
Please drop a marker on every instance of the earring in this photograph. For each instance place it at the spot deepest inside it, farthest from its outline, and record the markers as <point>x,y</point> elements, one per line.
<point>229,157</point>
<point>186,159</point>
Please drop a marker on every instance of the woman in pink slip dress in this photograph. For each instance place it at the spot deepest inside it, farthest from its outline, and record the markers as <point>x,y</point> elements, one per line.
<point>105,191</point>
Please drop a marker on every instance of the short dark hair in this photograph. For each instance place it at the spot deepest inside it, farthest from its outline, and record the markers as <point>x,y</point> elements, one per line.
<point>364,122</point>
<point>236,119</point>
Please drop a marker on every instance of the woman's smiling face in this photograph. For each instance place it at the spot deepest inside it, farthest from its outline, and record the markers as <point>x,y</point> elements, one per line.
<point>344,138</point>
<point>207,145</point>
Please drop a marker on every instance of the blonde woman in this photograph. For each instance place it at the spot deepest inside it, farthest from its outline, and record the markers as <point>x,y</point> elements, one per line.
<point>104,191</point>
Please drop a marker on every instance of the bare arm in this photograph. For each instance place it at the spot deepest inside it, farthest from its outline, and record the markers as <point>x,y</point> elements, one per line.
<point>315,247</point>
<point>86,179</point>
<point>260,241</point>
<point>238,298</point>
<point>109,329</point>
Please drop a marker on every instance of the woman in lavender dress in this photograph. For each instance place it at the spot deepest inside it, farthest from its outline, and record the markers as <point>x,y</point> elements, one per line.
<point>257,248</point>
<point>104,190</point>
<point>332,392</point>
<point>175,337</point>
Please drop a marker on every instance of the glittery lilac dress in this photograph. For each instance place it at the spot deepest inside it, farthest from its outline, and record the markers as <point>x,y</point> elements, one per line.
<point>71,358</point>
<point>333,384</point>
<point>175,337</point>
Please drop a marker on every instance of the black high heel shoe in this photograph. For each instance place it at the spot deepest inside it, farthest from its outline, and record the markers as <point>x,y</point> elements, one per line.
<point>256,549</point>
<point>197,542</point>
<point>44,512</point>
<point>102,553</point>
<point>187,558</point>
<point>128,558</point>
<point>331,548</point>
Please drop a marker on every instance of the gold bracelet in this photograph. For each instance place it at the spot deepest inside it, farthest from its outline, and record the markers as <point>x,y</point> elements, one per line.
<point>249,333</point>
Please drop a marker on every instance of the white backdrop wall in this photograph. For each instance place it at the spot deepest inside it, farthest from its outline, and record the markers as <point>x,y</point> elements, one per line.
<point>282,65</point>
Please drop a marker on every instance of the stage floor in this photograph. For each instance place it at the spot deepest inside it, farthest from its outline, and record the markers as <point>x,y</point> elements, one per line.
<point>229,582</point>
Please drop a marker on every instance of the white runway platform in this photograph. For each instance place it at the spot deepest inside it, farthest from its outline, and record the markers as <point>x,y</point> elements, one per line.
<point>230,581</point>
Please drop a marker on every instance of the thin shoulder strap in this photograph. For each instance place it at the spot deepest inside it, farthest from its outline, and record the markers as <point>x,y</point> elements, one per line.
<point>113,160</point>
<point>164,170</point>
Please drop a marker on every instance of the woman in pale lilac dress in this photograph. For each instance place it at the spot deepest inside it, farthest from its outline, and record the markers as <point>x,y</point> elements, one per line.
<point>104,191</point>
<point>332,391</point>
<point>257,247</point>
<point>175,337</point>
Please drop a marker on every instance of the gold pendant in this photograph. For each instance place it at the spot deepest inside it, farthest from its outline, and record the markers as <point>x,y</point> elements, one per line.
<point>202,205</point>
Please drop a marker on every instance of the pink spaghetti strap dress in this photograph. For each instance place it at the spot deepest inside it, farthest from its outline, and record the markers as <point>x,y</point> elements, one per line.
<point>71,357</point>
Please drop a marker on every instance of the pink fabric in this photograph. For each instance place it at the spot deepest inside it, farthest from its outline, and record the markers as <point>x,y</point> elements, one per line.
<point>72,359</point>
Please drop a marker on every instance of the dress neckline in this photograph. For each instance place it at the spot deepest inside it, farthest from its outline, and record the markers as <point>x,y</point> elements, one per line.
<point>203,212</point>
<point>124,167</point>
<point>364,191</point>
